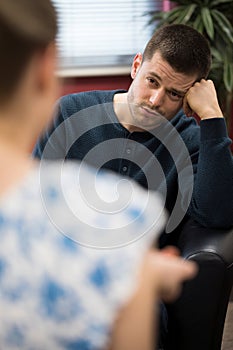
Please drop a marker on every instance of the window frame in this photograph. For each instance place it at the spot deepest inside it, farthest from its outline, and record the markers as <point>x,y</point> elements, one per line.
<point>114,66</point>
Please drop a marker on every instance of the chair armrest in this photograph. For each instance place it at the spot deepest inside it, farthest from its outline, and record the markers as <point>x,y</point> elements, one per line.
<point>195,239</point>
<point>196,319</point>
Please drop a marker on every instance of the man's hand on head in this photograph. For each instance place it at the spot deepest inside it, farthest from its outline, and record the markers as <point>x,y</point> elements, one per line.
<point>202,99</point>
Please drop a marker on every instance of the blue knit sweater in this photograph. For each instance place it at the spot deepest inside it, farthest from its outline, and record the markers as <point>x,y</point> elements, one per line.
<point>190,165</point>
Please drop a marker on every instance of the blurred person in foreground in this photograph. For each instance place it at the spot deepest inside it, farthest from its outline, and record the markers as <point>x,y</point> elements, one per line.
<point>77,270</point>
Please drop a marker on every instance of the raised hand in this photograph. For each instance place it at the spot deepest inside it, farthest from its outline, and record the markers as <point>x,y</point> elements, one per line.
<point>202,99</point>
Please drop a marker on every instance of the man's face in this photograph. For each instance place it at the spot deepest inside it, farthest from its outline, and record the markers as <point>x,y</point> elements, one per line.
<point>157,89</point>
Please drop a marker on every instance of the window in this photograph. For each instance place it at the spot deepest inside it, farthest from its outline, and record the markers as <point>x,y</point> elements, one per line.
<point>107,33</point>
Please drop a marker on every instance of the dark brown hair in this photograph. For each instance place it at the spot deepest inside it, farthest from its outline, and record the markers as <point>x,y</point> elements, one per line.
<point>184,48</point>
<point>25,27</point>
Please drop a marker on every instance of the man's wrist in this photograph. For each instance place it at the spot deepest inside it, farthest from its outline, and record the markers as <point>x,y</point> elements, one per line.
<point>211,113</point>
<point>211,117</point>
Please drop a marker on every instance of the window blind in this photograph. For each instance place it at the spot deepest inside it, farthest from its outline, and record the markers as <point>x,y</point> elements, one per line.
<point>102,32</point>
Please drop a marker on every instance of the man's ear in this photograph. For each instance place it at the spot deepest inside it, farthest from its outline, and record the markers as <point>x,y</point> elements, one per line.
<point>137,62</point>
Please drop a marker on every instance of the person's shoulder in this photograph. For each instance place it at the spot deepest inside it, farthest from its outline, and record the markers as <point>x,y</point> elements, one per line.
<point>87,99</point>
<point>73,103</point>
<point>187,127</point>
<point>182,122</point>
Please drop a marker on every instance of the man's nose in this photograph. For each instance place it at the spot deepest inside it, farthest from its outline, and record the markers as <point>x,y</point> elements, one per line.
<point>157,97</point>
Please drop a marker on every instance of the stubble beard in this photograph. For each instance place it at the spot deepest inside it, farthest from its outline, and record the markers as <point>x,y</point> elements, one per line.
<point>138,119</point>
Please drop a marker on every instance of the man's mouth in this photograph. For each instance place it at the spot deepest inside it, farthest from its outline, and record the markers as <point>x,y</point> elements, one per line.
<point>147,112</point>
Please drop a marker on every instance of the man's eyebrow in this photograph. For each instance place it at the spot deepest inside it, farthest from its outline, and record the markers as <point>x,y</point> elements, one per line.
<point>178,92</point>
<point>155,75</point>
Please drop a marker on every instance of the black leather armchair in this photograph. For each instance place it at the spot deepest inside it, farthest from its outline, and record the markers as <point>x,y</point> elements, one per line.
<point>196,319</point>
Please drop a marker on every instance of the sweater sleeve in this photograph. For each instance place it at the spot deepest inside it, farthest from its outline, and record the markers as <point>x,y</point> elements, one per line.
<point>212,199</point>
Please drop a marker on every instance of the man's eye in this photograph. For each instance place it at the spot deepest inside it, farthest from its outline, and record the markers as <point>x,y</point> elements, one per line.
<point>152,81</point>
<point>174,95</point>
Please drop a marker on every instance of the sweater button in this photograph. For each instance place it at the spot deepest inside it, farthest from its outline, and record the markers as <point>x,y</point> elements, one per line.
<point>128,150</point>
<point>124,168</point>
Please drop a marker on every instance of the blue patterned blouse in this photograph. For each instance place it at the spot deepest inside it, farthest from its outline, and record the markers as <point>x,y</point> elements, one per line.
<point>71,243</point>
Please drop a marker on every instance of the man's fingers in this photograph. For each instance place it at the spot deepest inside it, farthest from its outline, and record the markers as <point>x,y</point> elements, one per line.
<point>187,110</point>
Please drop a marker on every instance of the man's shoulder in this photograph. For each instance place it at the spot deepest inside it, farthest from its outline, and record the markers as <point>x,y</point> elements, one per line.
<point>188,128</point>
<point>184,124</point>
<point>81,100</point>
